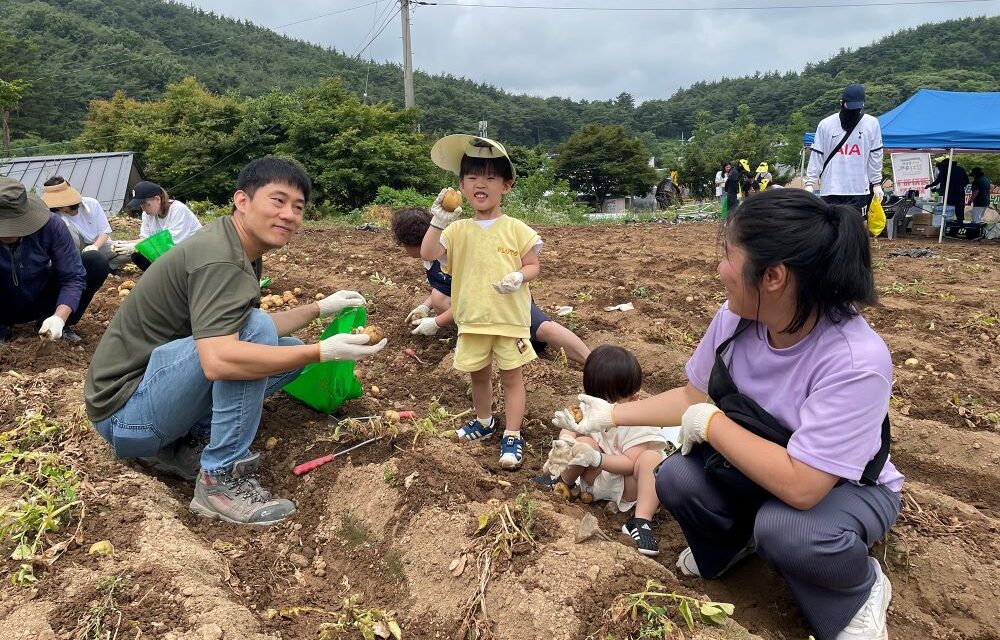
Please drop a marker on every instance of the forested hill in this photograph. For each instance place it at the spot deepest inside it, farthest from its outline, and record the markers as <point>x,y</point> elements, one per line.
<point>73,51</point>
<point>958,55</point>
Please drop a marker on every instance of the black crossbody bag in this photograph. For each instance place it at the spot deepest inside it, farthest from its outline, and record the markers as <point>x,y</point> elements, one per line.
<point>751,416</point>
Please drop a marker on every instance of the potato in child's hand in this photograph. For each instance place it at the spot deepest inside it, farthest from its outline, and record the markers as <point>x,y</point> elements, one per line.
<point>577,414</point>
<point>375,334</point>
<point>452,200</point>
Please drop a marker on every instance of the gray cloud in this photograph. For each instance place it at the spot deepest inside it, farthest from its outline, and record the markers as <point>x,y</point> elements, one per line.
<point>596,55</point>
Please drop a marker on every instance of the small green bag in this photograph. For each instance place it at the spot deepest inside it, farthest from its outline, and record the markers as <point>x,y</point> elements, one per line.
<point>325,386</point>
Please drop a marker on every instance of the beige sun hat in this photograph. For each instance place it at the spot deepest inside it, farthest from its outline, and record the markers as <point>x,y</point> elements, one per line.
<point>448,151</point>
<point>21,213</point>
<point>61,195</point>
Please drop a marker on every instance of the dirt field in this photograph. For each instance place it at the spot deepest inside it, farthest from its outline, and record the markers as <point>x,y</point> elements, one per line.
<point>384,531</point>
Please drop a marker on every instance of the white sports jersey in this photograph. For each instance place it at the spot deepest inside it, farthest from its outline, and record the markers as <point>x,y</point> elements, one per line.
<point>858,163</point>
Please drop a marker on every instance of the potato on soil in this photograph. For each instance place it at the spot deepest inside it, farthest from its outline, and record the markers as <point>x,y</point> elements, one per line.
<point>128,284</point>
<point>452,200</point>
<point>375,334</point>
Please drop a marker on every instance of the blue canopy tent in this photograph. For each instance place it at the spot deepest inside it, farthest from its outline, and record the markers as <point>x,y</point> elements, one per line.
<point>951,121</point>
<point>943,121</point>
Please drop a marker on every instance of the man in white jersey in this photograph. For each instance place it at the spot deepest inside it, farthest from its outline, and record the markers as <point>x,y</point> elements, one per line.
<point>847,154</point>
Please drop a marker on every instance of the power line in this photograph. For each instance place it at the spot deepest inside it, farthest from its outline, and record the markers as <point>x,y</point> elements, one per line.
<point>121,134</point>
<point>224,158</point>
<point>377,18</point>
<point>150,56</point>
<point>378,33</point>
<point>698,9</point>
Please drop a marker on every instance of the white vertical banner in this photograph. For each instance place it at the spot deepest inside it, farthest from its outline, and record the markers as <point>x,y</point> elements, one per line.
<point>911,171</point>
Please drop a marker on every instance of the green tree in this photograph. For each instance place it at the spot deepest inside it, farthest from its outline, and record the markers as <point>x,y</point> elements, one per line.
<point>351,149</point>
<point>604,161</point>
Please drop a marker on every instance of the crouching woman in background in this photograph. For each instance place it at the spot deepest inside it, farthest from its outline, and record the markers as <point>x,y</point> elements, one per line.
<point>790,458</point>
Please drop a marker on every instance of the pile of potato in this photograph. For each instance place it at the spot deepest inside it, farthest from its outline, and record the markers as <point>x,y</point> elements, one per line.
<point>125,288</point>
<point>274,301</point>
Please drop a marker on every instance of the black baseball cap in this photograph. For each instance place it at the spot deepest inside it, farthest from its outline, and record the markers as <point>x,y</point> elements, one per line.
<point>141,191</point>
<point>854,96</point>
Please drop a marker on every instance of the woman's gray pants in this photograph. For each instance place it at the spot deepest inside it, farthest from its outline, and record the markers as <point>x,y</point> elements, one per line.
<point>822,553</point>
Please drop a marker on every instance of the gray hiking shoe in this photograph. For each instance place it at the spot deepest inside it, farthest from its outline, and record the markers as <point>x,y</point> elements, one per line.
<point>237,497</point>
<point>181,458</point>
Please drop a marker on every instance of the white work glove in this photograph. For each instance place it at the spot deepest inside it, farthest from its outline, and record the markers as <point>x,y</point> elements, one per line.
<point>123,248</point>
<point>694,425</point>
<point>559,457</point>
<point>583,455</point>
<point>348,346</point>
<point>52,328</point>
<point>596,416</point>
<point>89,247</point>
<point>510,283</point>
<point>809,188</point>
<point>332,305</point>
<point>421,311</point>
<point>425,327</point>
<point>441,218</point>
<point>877,192</point>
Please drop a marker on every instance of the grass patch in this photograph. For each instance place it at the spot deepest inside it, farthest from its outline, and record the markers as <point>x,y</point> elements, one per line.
<point>353,531</point>
<point>355,621</point>
<point>45,496</point>
<point>657,613</point>
<point>104,620</point>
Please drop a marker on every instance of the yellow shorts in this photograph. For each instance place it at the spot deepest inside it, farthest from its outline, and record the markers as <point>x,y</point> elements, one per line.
<point>475,351</point>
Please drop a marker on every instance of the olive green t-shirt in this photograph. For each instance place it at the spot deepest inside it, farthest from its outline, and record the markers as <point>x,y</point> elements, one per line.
<point>204,287</point>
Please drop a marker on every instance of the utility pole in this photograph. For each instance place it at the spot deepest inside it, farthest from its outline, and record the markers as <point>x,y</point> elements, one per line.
<point>407,56</point>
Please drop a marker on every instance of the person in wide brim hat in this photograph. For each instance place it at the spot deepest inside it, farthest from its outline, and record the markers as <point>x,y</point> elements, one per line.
<point>61,195</point>
<point>21,213</point>
<point>53,283</point>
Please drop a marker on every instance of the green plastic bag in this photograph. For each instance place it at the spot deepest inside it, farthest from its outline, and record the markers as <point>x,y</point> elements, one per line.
<point>324,386</point>
<point>725,207</point>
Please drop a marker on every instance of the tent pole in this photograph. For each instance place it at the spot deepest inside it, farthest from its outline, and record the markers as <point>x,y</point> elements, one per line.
<point>802,162</point>
<point>947,186</point>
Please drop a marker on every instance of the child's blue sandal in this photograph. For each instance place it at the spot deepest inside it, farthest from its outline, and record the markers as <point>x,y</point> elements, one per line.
<point>475,430</point>
<point>510,452</point>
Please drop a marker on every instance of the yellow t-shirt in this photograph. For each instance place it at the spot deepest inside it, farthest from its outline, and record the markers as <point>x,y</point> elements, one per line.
<point>479,257</point>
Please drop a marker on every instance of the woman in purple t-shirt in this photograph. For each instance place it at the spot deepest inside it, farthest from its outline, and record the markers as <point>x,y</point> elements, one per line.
<point>797,269</point>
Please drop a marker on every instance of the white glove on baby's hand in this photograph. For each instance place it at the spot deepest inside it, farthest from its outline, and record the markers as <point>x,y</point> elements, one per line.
<point>694,425</point>
<point>419,312</point>
<point>441,218</point>
<point>425,327</point>
<point>510,283</point>
<point>348,346</point>
<point>332,305</point>
<point>559,457</point>
<point>583,455</point>
<point>52,328</point>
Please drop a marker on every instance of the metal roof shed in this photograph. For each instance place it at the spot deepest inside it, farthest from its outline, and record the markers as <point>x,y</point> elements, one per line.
<point>107,177</point>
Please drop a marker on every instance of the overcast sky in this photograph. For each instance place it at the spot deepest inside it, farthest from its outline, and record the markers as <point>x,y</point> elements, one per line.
<point>598,54</point>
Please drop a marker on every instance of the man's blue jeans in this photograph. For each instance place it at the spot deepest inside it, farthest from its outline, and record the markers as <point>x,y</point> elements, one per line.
<point>175,398</point>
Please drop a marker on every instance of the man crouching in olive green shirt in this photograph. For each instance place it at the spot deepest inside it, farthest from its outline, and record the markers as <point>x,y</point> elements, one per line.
<point>189,351</point>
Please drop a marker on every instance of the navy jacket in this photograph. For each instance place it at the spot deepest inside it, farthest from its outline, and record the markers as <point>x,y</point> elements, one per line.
<point>27,268</point>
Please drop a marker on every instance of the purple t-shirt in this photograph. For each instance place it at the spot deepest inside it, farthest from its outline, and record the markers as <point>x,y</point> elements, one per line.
<point>831,389</point>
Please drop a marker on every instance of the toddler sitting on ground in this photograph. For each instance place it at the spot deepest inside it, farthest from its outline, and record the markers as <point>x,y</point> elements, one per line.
<point>617,464</point>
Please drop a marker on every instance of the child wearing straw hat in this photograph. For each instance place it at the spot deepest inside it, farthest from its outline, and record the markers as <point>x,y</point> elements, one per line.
<point>491,259</point>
